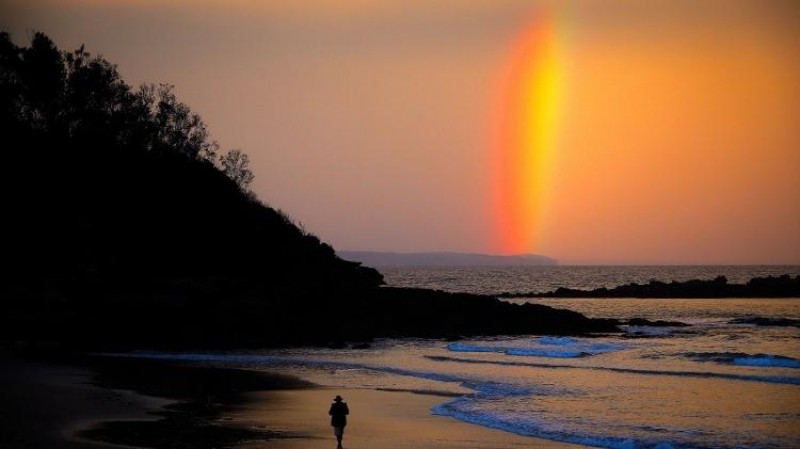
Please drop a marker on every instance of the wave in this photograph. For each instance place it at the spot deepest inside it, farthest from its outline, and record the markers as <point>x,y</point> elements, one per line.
<point>472,407</point>
<point>766,321</point>
<point>481,386</point>
<point>467,409</point>
<point>493,388</point>
<point>548,347</point>
<point>648,331</point>
<point>787,380</point>
<point>460,347</point>
<point>743,359</point>
<point>470,410</point>
<point>531,352</point>
<point>535,352</point>
<point>557,341</point>
<point>447,394</point>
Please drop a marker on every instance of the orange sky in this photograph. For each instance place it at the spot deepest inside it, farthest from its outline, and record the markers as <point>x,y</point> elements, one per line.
<point>370,121</point>
<point>682,145</point>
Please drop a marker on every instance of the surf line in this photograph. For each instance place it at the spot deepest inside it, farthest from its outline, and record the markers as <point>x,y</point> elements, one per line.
<point>706,375</point>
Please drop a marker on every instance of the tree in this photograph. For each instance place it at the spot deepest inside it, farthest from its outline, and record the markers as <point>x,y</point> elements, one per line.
<point>179,128</point>
<point>100,178</point>
<point>10,83</point>
<point>75,95</point>
<point>97,102</point>
<point>235,164</point>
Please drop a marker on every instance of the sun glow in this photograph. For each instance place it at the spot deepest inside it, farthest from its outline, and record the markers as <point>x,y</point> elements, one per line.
<point>526,136</point>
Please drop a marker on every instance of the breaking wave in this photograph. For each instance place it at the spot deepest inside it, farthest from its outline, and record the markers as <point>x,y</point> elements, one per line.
<point>548,347</point>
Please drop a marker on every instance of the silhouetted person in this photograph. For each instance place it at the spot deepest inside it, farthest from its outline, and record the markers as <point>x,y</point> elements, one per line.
<point>339,412</point>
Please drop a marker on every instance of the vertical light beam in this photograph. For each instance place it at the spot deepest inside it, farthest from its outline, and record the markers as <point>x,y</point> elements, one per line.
<point>525,136</point>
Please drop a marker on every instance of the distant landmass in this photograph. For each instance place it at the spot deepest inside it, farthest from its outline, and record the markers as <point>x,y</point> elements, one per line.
<point>784,286</point>
<point>441,259</point>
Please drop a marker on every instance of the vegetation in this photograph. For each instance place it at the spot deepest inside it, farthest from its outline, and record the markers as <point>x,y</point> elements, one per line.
<point>104,179</point>
<point>125,225</point>
<point>110,190</point>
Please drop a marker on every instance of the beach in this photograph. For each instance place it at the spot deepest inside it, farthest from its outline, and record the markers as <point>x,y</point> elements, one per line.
<point>645,387</point>
<point>379,419</point>
<point>46,404</point>
<point>56,404</point>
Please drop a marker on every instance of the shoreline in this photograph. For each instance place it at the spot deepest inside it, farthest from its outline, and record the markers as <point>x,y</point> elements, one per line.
<point>111,403</point>
<point>46,403</point>
<point>378,419</point>
<point>203,399</point>
<point>87,402</point>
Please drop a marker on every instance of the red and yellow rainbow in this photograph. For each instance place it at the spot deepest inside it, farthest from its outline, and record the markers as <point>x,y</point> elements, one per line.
<point>525,136</point>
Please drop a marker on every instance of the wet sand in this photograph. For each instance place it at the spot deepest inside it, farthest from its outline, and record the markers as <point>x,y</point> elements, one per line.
<point>80,402</point>
<point>131,403</point>
<point>45,404</point>
<point>378,420</point>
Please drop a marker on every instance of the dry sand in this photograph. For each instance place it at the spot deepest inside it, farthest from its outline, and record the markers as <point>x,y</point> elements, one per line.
<point>378,420</point>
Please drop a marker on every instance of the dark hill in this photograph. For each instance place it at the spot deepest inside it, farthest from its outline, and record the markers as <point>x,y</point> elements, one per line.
<point>126,225</point>
<point>101,179</point>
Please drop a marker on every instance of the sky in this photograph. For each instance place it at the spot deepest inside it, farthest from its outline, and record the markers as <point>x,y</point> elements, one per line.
<point>593,132</point>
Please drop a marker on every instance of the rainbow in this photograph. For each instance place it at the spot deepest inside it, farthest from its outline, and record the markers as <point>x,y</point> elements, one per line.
<point>524,142</point>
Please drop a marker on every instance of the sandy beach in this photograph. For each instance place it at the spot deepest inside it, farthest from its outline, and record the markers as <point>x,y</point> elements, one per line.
<point>50,404</point>
<point>378,420</point>
<point>46,404</point>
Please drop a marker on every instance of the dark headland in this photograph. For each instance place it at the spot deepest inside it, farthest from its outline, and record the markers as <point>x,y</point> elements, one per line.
<point>128,226</point>
<point>784,286</point>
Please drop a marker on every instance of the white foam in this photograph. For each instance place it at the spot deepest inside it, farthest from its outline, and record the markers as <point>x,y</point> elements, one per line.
<point>559,341</point>
<point>767,361</point>
<point>468,410</point>
<point>459,347</point>
<point>538,352</point>
<point>742,359</point>
<point>548,347</point>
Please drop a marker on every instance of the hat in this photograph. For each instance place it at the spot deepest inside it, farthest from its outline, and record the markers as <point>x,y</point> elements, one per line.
<point>338,398</point>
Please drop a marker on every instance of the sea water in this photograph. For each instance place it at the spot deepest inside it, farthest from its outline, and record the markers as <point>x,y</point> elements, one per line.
<point>494,280</point>
<point>721,382</point>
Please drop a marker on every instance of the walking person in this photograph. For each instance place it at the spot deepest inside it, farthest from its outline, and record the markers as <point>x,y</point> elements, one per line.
<point>339,412</point>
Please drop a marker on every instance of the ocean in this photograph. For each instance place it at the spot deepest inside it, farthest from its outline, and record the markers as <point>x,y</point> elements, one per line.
<point>494,280</point>
<point>726,380</point>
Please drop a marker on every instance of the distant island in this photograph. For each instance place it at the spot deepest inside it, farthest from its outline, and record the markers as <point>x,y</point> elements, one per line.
<point>784,286</point>
<point>442,259</point>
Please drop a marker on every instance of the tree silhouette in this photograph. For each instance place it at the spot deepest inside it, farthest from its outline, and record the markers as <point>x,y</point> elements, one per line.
<point>76,96</point>
<point>179,129</point>
<point>235,166</point>
<point>101,178</point>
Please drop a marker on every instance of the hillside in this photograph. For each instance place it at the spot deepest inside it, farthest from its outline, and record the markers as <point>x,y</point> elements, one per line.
<point>126,225</point>
<point>103,179</point>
